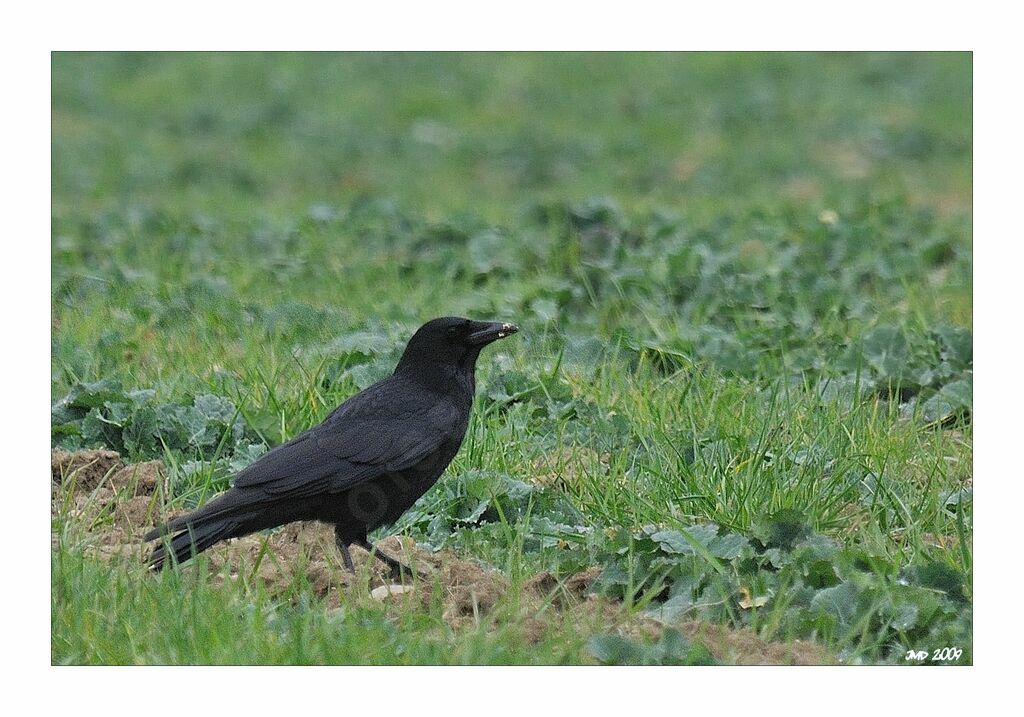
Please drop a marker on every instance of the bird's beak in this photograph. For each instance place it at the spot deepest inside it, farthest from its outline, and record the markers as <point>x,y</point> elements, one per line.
<point>485,333</point>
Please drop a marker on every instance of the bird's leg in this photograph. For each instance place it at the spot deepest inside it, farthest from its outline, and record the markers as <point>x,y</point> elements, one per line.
<point>397,568</point>
<point>345,556</point>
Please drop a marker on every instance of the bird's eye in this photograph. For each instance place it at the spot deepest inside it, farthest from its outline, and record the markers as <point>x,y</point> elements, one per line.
<point>453,331</point>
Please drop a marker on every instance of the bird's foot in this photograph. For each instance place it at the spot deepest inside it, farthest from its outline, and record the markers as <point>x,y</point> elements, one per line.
<point>398,569</point>
<point>346,557</point>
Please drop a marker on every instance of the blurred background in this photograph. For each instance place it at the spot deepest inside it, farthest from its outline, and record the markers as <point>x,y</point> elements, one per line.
<point>489,133</point>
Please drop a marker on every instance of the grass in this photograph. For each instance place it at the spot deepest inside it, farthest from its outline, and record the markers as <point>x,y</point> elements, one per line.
<point>744,284</point>
<point>214,626</point>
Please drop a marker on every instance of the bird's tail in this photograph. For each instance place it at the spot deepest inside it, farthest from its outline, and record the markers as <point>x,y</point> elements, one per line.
<point>189,542</point>
<point>189,535</point>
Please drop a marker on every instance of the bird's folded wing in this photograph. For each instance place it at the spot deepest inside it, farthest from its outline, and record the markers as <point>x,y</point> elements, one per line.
<point>361,440</point>
<point>388,440</point>
<point>294,469</point>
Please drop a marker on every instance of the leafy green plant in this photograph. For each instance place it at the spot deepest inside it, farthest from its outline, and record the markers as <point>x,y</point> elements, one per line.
<point>134,423</point>
<point>670,649</point>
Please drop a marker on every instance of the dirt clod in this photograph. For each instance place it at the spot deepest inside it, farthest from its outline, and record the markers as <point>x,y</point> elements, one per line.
<point>86,468</point>
<point>543,584</point>
<point>579,584</point>
<point>139,478</point>
<point>744,647</point>
<point>563,593</point>
<point>136,514</point>
<point>469,591</point>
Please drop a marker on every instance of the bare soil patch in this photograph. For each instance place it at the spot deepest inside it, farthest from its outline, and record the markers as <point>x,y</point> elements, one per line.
<point>744,647</point>
<point>85,468</point>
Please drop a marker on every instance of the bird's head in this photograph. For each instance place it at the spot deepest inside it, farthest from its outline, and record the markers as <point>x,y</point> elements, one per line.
<point>450,343</point>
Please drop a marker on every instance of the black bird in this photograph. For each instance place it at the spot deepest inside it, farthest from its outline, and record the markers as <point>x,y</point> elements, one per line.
<point>366,464</point>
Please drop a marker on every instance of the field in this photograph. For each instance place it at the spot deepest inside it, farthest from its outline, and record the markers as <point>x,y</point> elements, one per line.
<point>735,426</point>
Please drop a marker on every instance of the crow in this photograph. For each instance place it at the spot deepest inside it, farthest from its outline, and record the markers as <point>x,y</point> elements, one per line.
<point>365,465</point>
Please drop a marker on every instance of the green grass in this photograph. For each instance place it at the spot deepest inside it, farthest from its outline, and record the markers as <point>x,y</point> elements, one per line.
<point>744,284</point>
<point>119,616</point>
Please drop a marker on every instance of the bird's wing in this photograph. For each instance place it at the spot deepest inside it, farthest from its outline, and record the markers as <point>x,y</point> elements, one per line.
<point>383,429</point>
<point>294,469</point>
<point>390,428</point>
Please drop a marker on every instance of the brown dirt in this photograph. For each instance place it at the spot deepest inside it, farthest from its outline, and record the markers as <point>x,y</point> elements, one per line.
<point>115,504</point>
<point>113,515</point>
<point>140,478</point>
<point>468,591</point>
<point>744,647</point>
<point>86,468</point>
<point>567,593</point>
